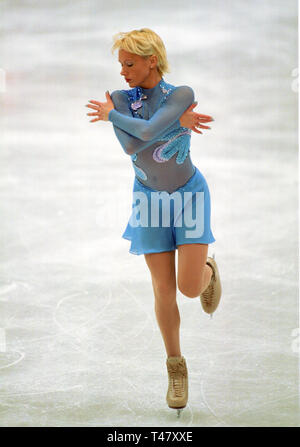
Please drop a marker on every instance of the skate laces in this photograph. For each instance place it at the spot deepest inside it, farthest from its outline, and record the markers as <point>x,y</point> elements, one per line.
<point>207,294</point>
<point>176,374</point>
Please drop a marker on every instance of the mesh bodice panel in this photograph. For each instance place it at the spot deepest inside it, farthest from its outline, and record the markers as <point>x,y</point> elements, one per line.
<point>146,123</point>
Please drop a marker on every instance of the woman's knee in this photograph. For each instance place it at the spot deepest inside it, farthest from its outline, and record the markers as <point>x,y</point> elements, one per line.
<point>190,289</point>
<point>163,274</point>
<point>191,266</point>
<point>165,290</point>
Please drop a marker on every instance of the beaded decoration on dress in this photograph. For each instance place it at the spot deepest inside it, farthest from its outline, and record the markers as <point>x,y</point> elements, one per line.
<point>163,152</point>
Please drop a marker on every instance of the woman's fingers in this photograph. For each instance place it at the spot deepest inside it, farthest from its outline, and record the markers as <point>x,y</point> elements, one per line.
<point>196,130</point>
<point>204,118</point>
<point>94,113</point>
<point>203,127</point>
<point>92,107</point>
<point>96,102</point>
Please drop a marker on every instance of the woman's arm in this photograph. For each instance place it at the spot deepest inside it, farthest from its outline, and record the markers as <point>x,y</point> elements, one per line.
<point>129,143</point>
<point>167,115</point>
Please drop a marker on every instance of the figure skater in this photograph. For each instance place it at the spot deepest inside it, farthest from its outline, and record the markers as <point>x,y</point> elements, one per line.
<point>153,121</point>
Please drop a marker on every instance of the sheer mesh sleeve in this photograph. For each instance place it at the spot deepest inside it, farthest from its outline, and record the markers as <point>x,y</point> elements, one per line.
<point>130,144</point>
<point>168,114</point>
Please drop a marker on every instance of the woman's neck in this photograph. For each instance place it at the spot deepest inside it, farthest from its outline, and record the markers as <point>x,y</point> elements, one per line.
<point>151,81</point>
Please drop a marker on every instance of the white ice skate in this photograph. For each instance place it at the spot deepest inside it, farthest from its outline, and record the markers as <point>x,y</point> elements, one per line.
<point>211,296</point>
<point>177,394</point>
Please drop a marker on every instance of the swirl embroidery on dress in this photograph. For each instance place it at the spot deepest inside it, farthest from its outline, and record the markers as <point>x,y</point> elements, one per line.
<point>135,97</point>
<point>140,173</point>
<point>164,152</point>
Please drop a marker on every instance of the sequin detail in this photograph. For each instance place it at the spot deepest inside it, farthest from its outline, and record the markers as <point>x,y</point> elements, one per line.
<point>157,154</point>
<point>163,152</point>
<point>179,143</point>
<point>139,172</point>
<point>135,97</point>
<point>137,104</point>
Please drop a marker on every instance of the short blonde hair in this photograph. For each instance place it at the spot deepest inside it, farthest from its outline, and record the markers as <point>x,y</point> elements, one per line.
<point>143,42</point>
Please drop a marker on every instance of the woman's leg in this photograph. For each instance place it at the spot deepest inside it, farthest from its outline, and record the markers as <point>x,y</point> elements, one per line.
<point>194,274</point>
<point>163,274</point>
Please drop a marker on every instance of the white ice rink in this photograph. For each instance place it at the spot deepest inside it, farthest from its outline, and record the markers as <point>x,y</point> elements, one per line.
<point>79,342</point>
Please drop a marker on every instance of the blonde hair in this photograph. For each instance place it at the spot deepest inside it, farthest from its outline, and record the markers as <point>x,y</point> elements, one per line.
<point>143,42</point>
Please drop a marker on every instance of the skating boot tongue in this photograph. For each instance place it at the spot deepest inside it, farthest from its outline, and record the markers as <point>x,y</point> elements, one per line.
<point>176,365</point>
<point>177,394</point>
<point>174,359</point>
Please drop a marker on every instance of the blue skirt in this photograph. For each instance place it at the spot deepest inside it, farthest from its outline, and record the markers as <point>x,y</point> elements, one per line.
<point>161,221</point>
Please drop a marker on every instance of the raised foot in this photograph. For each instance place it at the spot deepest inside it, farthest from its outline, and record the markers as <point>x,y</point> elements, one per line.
<point>210,297</point>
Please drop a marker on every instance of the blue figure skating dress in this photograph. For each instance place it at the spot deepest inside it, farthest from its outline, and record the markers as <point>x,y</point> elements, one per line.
<point>171,199</point>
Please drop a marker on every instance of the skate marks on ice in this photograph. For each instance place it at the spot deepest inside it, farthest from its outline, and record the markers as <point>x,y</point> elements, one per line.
<point>78,342</point>
<point>8,288</point>
<point>144,370</point>
<point>76,334</point>
<point>132,341</point>
<point>242,370</point>
<point>247,387</point>
<point>10,358</point>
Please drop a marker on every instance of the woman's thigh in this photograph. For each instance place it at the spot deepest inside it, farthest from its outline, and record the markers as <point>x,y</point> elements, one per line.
<point>191,263</point>
<point>163,270</point>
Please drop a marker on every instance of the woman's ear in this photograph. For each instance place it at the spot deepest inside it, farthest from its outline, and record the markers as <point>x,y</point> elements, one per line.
<point>153,60</point>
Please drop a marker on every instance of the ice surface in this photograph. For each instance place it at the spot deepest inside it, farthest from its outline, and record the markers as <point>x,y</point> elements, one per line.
<point>79,341</point>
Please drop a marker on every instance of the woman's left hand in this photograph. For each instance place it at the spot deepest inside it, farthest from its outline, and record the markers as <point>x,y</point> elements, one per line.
<point>103,108</point>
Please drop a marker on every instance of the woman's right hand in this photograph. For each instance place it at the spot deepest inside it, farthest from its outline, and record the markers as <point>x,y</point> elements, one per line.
<point>191,119</point>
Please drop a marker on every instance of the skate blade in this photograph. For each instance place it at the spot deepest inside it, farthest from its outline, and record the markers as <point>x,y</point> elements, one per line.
<point>178,409</point>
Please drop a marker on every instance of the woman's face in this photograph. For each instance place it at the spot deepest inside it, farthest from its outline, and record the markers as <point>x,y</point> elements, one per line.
<point>135,68</point>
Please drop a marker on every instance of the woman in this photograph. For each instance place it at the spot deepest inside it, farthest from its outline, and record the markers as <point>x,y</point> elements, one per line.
<point>153,122</point>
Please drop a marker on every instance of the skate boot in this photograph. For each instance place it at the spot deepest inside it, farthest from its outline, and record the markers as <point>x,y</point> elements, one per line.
<point>210,298</point>
<point>177,394</point>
